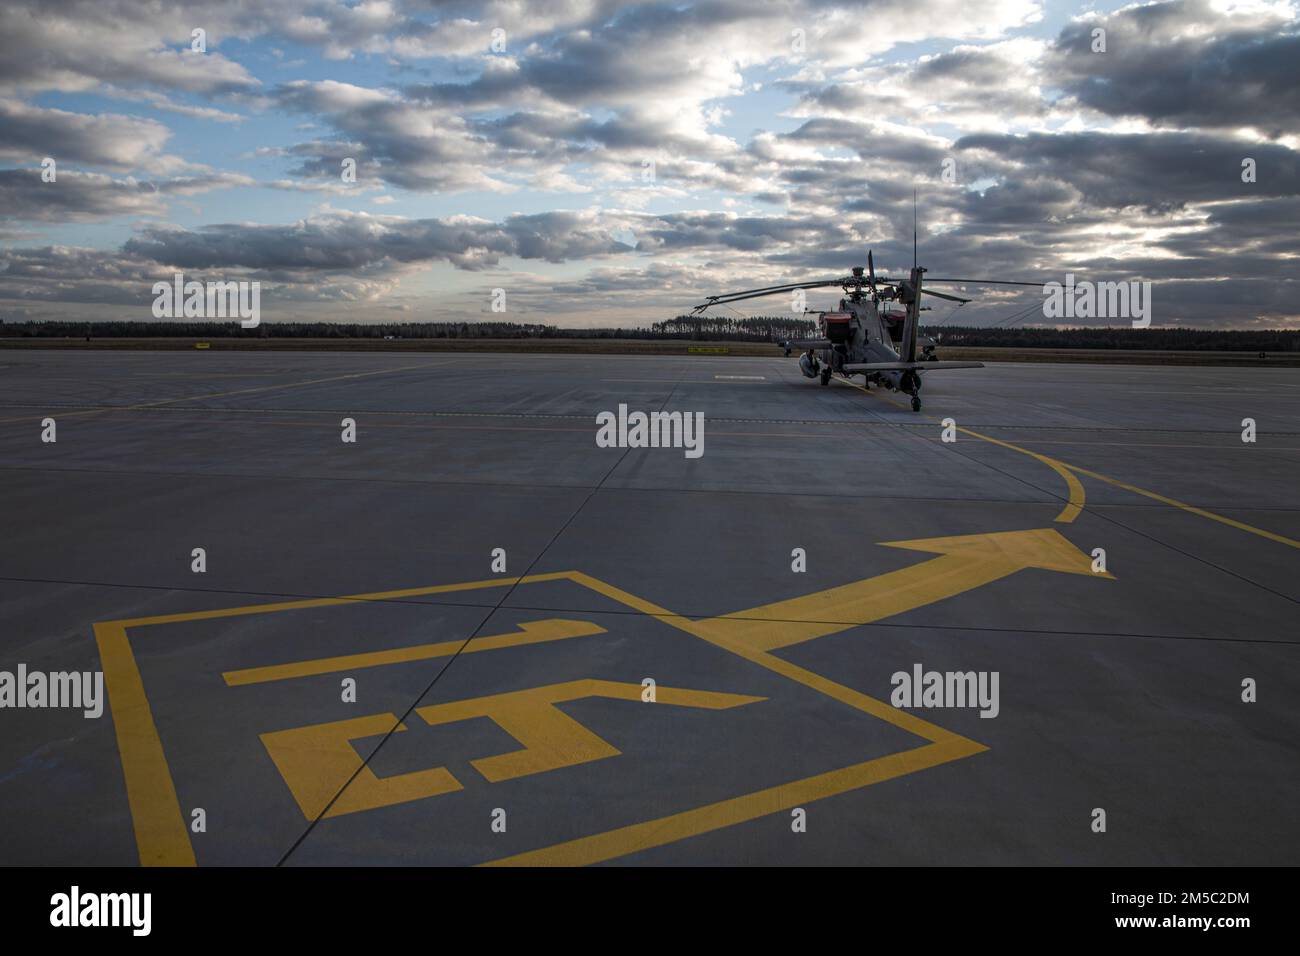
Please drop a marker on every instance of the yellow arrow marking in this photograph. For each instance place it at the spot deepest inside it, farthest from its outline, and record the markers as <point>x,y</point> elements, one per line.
<point>965,562</point>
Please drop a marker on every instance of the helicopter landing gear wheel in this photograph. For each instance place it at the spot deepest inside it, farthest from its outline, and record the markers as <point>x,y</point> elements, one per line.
<point>916,403</point>
<point>826,374</point>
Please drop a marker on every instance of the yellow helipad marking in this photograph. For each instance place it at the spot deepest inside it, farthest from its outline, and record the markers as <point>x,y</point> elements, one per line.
<point>550,737</point>
<point>160,832</point>
<point>316,761</point>
<point>943,746</point>
<point>160,828</point>
<point>530,632</point>
<point>716,816</point>
<point>1007,551</point>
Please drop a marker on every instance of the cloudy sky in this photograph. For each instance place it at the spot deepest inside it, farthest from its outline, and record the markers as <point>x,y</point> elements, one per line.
<point>611,163</point>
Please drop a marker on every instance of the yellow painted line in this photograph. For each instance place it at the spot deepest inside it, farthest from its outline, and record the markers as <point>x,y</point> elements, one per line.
<point>669,829</point>
<point>160,832</point>
<point>1076,497</point>
<point>1192,509</point>
<point>334,601</point>
<point>531,632</point>
<point>1237,447</point>
<point>721,638</point>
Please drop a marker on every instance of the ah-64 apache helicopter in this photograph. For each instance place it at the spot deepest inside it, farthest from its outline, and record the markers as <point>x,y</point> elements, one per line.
<point>863,336</point>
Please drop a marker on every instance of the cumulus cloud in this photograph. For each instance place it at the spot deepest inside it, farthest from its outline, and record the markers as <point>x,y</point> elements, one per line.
<point>77,196</point>
<point>110,141</point>
<point>712,144</point>
<point>1188,63</point>
<point>74,45</point>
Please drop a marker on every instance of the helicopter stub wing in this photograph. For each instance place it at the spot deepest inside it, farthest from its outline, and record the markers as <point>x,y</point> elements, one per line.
<point>905,366</point>
<point>806,344</point>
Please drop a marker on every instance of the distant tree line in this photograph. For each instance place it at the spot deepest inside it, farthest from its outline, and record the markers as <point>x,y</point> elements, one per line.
<point>759,328</point>
<point>711,328</point>
<point>279,330</point>
<point>1174,339</point>
<point>690,327</point>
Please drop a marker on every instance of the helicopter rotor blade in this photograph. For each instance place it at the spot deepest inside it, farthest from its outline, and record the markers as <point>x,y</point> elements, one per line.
<point>944,295</point>
<point>879,285</point>
<point>1038,285</point>
<point>728,297</point>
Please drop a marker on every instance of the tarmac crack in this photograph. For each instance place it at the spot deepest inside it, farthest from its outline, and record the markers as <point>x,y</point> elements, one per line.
<point>365,761</point>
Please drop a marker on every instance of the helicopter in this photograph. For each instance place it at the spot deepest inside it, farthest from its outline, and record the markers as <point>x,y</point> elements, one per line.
<point>864,336</point>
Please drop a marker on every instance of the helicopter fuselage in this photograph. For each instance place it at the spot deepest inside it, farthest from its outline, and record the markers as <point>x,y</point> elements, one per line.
<point>859,332</point>
<point>862,337</point>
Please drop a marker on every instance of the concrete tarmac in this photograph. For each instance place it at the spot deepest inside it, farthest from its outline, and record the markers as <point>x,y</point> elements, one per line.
<point>827,540</point>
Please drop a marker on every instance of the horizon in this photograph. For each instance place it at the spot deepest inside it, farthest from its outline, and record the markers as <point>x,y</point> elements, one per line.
<point>207,325</point>
<point>528,157</point>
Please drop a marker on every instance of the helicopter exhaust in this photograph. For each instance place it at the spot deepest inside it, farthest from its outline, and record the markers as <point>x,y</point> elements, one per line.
<point>912,323</point>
